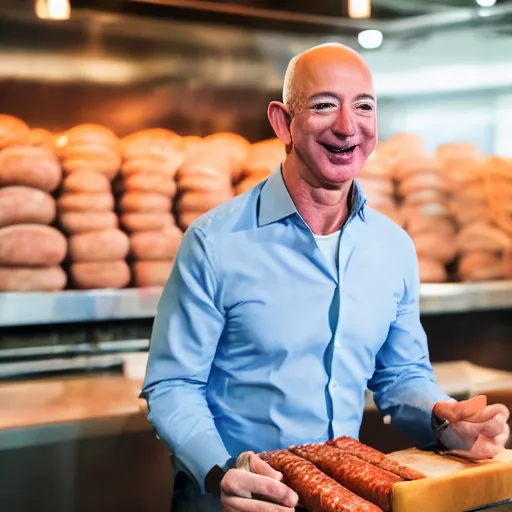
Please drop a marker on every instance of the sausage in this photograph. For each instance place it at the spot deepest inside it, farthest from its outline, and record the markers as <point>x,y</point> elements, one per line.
<point>150,182</point>
<point>156,245</point>
<point>151,273</point>
<point>31,245</point>
<point>25,205</point>
<point>104,274</point>
<point>13,130</point>
<point>317,491</point>
<point>81,222</point>
<point>85,202</point>
<point>86,181</point>
<point>105,245</point>
<point>362,478</point>
<point>134,222</point>
<point>31,166</point>
<point>354,447</point>
<point>38,279</point>
<point>145,203</point>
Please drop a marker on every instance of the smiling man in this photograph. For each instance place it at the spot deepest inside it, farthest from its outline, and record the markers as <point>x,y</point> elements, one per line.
<point>286,302</point>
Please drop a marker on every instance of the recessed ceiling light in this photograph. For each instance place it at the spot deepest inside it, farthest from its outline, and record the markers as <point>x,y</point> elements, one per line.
<point>370,39</point>
<point>485,3</point>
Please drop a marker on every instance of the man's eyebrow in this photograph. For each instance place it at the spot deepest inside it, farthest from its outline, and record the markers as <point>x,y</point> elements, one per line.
<point>359,97</point>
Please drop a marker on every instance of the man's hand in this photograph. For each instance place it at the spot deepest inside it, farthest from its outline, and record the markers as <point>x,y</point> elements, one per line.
<point>477,430</point>
<point>255,487</point>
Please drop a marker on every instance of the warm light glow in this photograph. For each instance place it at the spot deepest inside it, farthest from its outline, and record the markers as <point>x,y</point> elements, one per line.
<point>359,8</point>
<point>53,9</point>
<point>370,39</point>
<point>485,3</point>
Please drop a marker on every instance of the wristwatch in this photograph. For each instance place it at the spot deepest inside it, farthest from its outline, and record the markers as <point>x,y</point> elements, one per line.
<point>438,426</point>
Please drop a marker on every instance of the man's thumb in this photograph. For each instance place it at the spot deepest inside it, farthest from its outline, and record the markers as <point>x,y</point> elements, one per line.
<point>460,411</point>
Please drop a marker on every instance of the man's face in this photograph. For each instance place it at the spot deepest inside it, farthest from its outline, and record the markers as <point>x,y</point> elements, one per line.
<point>334,126</point>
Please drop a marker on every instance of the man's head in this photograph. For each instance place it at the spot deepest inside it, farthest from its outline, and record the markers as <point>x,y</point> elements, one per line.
<point>328,115</point>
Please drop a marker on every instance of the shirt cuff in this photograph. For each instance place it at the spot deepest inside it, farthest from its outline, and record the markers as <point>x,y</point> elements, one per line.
<point>200,453</point>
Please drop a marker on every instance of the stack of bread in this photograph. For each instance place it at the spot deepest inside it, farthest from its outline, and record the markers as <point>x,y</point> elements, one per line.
<point>482,194</point>
<point>424,192</point>
<point>90,156</point>
<point>376,179</point>
<point>262,160</point>
<point>31,250</point>
<point>151,159</point>
<point>206,176</point>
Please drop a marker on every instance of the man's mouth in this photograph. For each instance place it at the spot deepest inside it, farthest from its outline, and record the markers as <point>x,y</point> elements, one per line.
<point>338,149</point>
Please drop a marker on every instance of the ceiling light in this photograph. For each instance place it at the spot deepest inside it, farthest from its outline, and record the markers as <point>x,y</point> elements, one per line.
<point>53,9</point>
<point>359,8</point>
<point>485,3</point>
<point>370,39</point>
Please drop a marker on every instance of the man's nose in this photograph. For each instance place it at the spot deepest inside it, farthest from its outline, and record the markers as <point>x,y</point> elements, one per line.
<point>344,124</point>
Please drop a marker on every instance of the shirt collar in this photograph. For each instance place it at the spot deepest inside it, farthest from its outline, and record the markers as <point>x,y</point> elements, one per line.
<point>275,202</point>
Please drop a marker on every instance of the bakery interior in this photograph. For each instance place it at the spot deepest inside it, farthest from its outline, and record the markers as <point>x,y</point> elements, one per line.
<point>122,121</point>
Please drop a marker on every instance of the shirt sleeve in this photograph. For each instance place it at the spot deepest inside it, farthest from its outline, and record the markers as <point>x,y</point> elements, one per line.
<point>186,332</point>
<point>403,385</point>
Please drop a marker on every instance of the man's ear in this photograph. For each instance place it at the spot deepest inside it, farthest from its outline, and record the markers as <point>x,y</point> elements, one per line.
<point>280,119</point>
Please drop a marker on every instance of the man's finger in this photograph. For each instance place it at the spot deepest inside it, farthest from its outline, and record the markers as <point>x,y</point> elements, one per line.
<point>458,411</point>
<point>236,504</point>
<point>493,420</point>
<point>259,466</point>
<point>244,484</point>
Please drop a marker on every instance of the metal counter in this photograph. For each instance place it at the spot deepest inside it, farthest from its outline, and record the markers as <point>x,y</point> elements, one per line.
<point>18,309</point>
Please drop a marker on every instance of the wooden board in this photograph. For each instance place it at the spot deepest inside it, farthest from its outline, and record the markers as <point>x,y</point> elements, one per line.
<point>453,484</point>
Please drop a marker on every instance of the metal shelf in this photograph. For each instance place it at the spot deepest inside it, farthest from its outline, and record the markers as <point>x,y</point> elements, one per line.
<point>17,309</point>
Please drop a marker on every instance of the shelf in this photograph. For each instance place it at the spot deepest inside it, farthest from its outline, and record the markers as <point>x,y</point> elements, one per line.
<point>17,309</point>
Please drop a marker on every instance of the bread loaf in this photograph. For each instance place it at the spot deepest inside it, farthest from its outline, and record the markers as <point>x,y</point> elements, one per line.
<point>151,273</point>
<point>94,246</point>
<point>86,202</point>
<point>481,236</point>
<point>156,245</point>
<point>81,222</point>
<point>432,271</point>
<point>153,182</point>
<point>24,205</point>
<point>13,131</point>
<point>30,166</point>
<point>110,274</point>
<point>36,279</point>
<point>31,245</point>
<point>480,266</point>
<point>142,202</point>
<point>134,222</point>
<point>90,182</point>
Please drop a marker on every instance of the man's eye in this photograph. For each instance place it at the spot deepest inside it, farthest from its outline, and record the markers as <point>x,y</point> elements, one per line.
<point>366,106</point>
<point>323,106</point>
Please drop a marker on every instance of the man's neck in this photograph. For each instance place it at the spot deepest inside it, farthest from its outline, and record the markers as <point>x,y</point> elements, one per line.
<point>324,211</point>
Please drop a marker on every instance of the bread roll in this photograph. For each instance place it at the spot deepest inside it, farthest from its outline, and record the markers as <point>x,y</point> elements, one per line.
<point>247,184</point>
<point>432,271</point>
<point>377,186</point>
<point>481,236</point>
<point>420,181</point>
<point>459,151</point>
<point>31,245</point>
<point>150,182</point>
<point>151,273</point>
<point>81,222</point>
<point>425,196</point>
<point>432,245</point>
<point>24,205</point>
<point>410,165</point>
<point>142,202</point>
<point>30,166</point>
<point>480,266</point>
<point>440,224</point>
<point>37,279</point>
<point>264,157</point>
<point>41,137</point>
<point>156,245</point>
<point>105,245</point>
<point>407,211</point>
<point>90,182</point>
<point>85,202</point>
<point>202,201</point>
<point>187,218</point>
<point>191,143</point>
<point>379,201</point>
<point>467,212</point>
<point>12,131</point>
<point>134,222</point>
<point>110,274</point>
<point>88,133</point>
<point>204,182</point>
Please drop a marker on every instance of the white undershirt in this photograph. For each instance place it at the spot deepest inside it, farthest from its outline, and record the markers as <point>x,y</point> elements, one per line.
<point>329,245</point>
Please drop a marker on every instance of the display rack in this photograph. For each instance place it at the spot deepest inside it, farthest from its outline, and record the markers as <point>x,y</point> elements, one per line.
<point>18,309</point>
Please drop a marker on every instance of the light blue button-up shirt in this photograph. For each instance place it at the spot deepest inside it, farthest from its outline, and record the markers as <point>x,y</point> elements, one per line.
<point>259,344</point>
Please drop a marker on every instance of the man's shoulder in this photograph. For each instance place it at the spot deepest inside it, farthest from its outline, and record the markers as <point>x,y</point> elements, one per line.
<point>237,214</point>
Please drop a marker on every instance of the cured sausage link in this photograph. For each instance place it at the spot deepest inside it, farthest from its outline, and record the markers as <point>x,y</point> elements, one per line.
<point>317,491</point>
<point>364,479</point>
<point>369,454</point>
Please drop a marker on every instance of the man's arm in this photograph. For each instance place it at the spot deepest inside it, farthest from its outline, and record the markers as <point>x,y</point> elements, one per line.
<point>403,384</point>
<point>186,331</point>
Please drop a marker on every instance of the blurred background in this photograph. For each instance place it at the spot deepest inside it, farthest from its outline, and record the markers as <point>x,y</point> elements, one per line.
<point>122,121</point>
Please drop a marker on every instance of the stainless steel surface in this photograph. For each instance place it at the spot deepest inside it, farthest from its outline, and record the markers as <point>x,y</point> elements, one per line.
<point>17,309</point>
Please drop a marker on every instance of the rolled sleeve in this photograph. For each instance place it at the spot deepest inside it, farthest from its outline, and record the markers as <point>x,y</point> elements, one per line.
<point>186,332</point>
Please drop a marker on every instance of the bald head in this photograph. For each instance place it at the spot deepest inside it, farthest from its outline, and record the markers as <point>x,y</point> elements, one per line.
<point>302,66</point>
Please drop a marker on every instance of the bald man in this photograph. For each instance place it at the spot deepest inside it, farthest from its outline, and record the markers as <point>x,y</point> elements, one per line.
<point>287,302</point>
